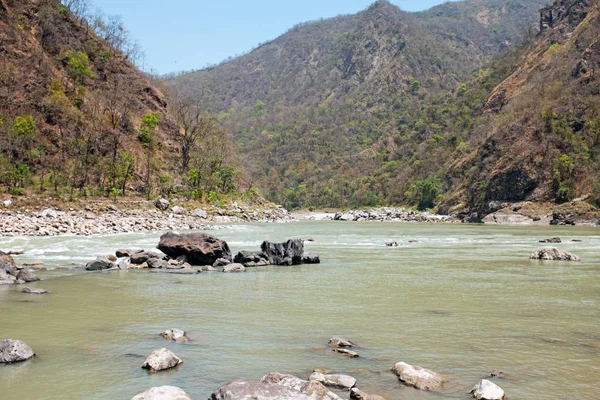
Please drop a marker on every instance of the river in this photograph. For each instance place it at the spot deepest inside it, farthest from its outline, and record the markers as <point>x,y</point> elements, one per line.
<point>462,300</point>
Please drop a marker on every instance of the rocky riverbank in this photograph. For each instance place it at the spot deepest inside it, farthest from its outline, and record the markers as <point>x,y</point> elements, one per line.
<point>386,214</point>
<point>107,218</point>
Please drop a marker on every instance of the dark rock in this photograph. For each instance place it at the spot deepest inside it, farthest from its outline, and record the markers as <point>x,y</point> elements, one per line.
<point>27,276</point>
<point>143,257</point>
<point>199,248</point>
<point>127,252</point>
<point>162,204</point>
<point>311,258</point>
<point>554,255</point>
<point>552,240</point>
<point>99,264</point>
<point>251,258</point>
<point>419,377</point>
<point>14,351</point>
<point>288,253</point>
<point>33,291</point>
<point>157,263</point>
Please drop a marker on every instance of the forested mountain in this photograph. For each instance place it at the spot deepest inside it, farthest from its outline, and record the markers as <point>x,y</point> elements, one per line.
<point>78,118</point>
<point>356,110</point>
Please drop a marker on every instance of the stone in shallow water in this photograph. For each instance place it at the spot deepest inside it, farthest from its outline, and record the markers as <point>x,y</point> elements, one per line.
<point>486,390</point>
<point>234,268</point>
<point>340,342</point>
<point>177,335</point>
<point>27,276</point>
<point>161,360</point>
<point>12,351</point>
<point>34,291</point>
<point>357,394</point>
<point>163,393</point>
<point>419,377</point>
<point>346,352</point>
<point>334,380</point>
<point>554,255</point>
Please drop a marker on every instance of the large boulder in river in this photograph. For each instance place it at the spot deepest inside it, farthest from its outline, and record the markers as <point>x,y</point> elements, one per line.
<point>241,389</point>
<point>12,351</point>
<point>419,377</point>
<point>99,264</point>
<point>486,390</point>
<point>161,360</point>
<point>163,393</point>
<point>199,248</point>
<point>554,255</point>
<point>251,258</point>
<point>288,253</point>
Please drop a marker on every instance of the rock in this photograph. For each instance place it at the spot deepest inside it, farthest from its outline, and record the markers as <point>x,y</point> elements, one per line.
<point>357,394</point>
<point>7,259</point>
<point>184,271</point>
<point>6,278</point>
<point>15,252</point>
<point>123,264</point>
<point>314,389</point>
<point>552,240</point>
<point>486,390</point>
<point>339,342</point>
<point>7,203</point>
<point>346,352</point>
<point>176,335</point>
<point>234,268</point>
<point>311,258</point>
<point>111,257</point>
<point>392,244</point>
<point>241,390</point>
<point>34,291</point>
<point>163,393</point>
<point>161,360</point>
<point>14,351</point>
<point>143,257</point>
<point>27,276</point>
<point>162,204</point>
<point>177,210</point>
<point>288,253</point>
<point>127,252</point>
<point>99,264</point>
<point>221,262</point>
<point>251,258</point>
<point>199,248</point>
<point>33,263</point>
<point>48,213</point>
<point>554,254</point>
<point>334,380</point>
<point>210,268</point>
<point>157,263</point>
<point>199,213</point>
<point>419,377</point>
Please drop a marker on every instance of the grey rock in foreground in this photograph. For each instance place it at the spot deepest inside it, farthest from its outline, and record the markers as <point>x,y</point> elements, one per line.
<point>334,380</point>
<point>314,389</point>
<point>554,255</point>
<point>163,393</point>
<point>34,291</point>
<point>419,377</point>
<point>161,360</point>
<point>250,390</point>
<point>12,351</point>
<point>486,390</point>
<point>199,248</point>
<point>288,253</point>
<point>176,335</point>
<point>357,394</point>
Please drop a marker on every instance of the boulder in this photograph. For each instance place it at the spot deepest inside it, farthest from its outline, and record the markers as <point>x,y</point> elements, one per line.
<point>177,210</point>
<point>6,203</point>
<point>162,204</point>
<point>157,263</point>
<point>33,291</point>
<point>199,213</point>
<point>311,258</point>
<point>161,360</point>
<point>127,252</point>
<point>551,240</point>
<point>419,377</point>
<point>123,264</point>
<point>199,248</point>
<point>334,380</point>
<point>357,394</point>
<point>111,257</point>
<point>314,389</point>
<point>163,393</point>
<point>234,268</point>
<point>486,390</point>
<point>251,258</point>
<point>143,257</point>
<point>242,389</point>
<point>221,262</point>
<point>346,352</point>
<point>99,264</point>
<point>554,255</point>
<point>176,335</point>
<point>288,253</point>
<point>340,342</point>
<point>7,259</point>
<point>12,351</point>
<point>48,213</point>
<point>27,276</point>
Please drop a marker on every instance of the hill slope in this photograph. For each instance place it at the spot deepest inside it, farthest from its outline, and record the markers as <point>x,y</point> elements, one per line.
<point>334,113</point>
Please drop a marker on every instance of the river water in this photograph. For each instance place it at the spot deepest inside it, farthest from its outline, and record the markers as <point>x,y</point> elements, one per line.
<point>462,300</point>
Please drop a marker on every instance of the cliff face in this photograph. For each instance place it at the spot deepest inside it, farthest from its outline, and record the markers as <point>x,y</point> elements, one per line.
<point>72,105</point>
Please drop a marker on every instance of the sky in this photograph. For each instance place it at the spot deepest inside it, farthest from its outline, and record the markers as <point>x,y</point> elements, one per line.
<point>183,35</point>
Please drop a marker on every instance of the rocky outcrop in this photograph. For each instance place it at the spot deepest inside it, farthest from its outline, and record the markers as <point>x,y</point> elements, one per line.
<point>288,253</point>
<point>419,377</point>
<point>163,393</point>
<point>346,352</point>
<point>12,351</point>
<point>176,335</point>
<point>199,248</point>
<point>251,258</point>
<point>161,360</point>
<point>486,390</point>
<point>339,381</point>
<point>554,255</point>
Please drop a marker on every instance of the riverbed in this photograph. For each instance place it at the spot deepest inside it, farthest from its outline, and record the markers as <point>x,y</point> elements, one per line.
<point>458,299</point>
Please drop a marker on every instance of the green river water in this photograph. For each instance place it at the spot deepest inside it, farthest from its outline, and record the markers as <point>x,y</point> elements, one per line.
<point>462,300</point>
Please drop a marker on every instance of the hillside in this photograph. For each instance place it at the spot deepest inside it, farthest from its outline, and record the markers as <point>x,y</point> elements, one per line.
<point>334,112</point>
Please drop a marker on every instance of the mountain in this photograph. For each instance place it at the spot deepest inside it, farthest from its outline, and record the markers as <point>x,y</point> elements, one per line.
<point>75,113</point>
<point>353,111</point>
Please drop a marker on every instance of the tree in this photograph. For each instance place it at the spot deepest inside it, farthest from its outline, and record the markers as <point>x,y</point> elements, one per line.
<point>146,136</point>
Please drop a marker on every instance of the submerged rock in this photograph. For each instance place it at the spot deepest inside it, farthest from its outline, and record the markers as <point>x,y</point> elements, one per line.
<point>288,253</point>
<point>554,255</point>
<point>161,360</point>
<point>334,380</point>
<point>242,389</point>
<point>340,342</point>
<point>34,291</point>
<point>486,390</point>
<point>419,377</point>
<point>176,335</point>
<point>163,393</point>
<point>552,240</point>
<point>199,248</point>
<point>12,351</point>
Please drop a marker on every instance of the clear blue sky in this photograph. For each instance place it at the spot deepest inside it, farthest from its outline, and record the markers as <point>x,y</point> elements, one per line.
<point>189,34</point>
